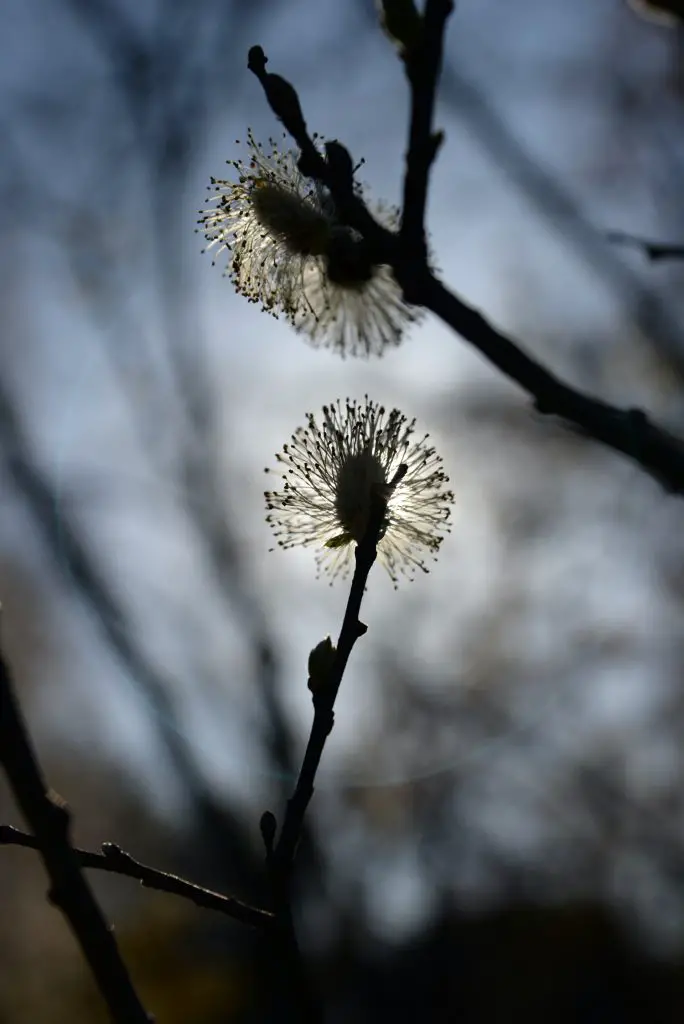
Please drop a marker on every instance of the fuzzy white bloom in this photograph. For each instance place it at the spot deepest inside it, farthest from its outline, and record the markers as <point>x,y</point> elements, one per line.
<point>291,254</point>
<point>331,471</point>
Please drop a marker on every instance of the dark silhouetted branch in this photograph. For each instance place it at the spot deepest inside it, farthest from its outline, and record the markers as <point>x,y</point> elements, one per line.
<point>547,195</point>
<point>423,62</point>
<point>280,856</point>
<point>219,826</point>
<point>657,451</point>
<point>116,861</point>
<point>629,431</point>
<point>325,696</point>
<point>49,819</point>
<point>468,99</point>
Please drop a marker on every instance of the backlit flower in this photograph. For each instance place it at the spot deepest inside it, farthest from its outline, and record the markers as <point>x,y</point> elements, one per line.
<point>332,468</point>
<point>291,254</point>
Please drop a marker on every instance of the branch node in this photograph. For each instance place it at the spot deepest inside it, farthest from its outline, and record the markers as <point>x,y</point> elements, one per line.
<point>114,854</point>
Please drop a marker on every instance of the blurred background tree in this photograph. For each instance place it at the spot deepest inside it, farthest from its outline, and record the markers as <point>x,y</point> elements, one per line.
<point>498,829</point>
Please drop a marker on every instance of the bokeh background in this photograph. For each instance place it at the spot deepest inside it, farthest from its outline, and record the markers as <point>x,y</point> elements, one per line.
<point>498,827</point>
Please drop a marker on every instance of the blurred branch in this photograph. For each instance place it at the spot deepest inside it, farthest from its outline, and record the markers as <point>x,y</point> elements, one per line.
<point>629,431</point>
<point>163,77</point>
<point>116,861</point>
<point>657,451</point>
<point>167,79</point>
<point>552,202</point>
<point>49,818</point>
<point>222,833</point>
<point>663,12</point>
<point>105,295</point>
<point>653,250</point>
<point>125,48</point>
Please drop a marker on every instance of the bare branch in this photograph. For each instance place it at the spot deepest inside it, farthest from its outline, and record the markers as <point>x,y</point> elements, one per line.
<point>219,825</point>
<point>551,200</point>
<point>658,452</point>
<point>324,698</point>
<point>629,431</point>
<point>49,819</point>
<point>116,861</point>
<point>422,62</point>
<point>280,858</point>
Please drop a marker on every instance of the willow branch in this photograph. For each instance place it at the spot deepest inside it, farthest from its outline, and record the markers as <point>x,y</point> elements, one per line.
<point>288,963</point>
<point>116,861</point>
<point>626,430</point>
<point>49,820</point>
<point>325,696</point>
<point>423,62</point>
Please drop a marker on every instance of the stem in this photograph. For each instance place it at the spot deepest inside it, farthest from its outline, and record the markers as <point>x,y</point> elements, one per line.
<point>324,701</point>
<point>49,820</point>
<point>116,861</point>
<point>423,64</point>
<point>287,960</point>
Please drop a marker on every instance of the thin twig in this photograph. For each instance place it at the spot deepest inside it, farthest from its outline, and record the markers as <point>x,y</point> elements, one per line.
<point>286,955</point>
<point>627,430</point>
<point>49,819</point>
<point>654,251</point>
<point>218,826</point>
<point>423,62</point>
<point>324,699</point>
<point>116,861</point>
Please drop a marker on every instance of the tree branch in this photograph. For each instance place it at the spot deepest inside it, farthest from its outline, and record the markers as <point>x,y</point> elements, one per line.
<point>654,251</point>
<point>422,62</point>
<point>324,698</point>
<point>116,861</point>
<point>629,431</point>
<point>49,819</point>
<point>280,858</point>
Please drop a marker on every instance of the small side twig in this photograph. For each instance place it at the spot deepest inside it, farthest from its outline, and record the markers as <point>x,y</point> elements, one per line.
<point>423,62</point>
<point>654,251</point>
<point>49,819</point>
<point>116,861</point>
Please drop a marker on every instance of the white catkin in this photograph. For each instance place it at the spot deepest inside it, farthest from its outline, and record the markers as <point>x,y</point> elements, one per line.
<point>290,254</point>
<point>329,471</point>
